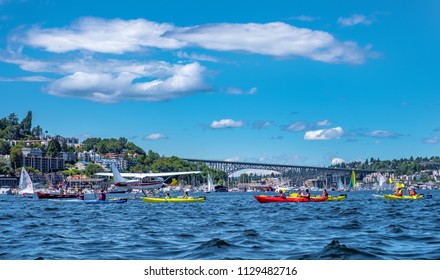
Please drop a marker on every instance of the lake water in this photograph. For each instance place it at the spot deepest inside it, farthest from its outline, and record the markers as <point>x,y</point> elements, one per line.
<point>225,226</point>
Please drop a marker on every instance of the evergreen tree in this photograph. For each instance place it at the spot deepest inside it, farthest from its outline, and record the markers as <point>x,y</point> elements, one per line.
<point>53,148</point>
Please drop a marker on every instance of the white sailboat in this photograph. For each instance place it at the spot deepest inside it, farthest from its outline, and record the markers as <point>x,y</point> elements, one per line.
<point>210,184</point>
<point>25,186</point>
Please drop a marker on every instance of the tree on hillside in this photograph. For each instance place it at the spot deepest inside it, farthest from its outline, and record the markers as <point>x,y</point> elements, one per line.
<point>53,148</point>
<point>5,168</point>
<point>37,132</point>
<point>26,123</point>
<point>5,148</point>
<point>93,168</point>
<point>16,156</point>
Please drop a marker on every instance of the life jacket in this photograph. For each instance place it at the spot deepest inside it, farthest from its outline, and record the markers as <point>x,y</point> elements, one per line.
<point>399,192</point>
<point>102,196</point>
<point>81,196</point>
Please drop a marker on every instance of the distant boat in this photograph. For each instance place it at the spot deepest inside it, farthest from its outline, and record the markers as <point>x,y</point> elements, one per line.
<point>25,186</point>
<point>210,185</point>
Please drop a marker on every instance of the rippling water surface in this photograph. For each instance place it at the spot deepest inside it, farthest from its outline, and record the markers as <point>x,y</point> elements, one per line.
<point>225,226</point>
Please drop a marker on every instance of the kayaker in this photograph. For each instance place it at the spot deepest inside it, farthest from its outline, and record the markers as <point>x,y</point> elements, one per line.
<point>167,196</point>
<point>282,194</point>
<point>185,194</point>
<point>299,193</point>
<point>102,195</point>
<point>412,191</point>
<point>307,194</point>
<point>398,192</point>
<point>80,195</point>
<point>324,193</point>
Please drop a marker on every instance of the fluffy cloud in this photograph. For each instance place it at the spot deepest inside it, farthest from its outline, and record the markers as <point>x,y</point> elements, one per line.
<point>324,134</point>
<point>227,123</point>
<point>177,81</point>
<point>117,36</point>
<point>355,20</point>
<point>101,35</point>
<point>275,39</point>
<point>155,136</point>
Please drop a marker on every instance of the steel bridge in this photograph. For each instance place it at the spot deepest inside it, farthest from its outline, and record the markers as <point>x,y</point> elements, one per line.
<point>299,171</point>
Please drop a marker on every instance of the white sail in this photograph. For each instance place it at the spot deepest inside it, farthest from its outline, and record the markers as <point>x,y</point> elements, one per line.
<point>25,185</point>
<point>340,184</point>
<point>210,184</point>
<point>382,181</point>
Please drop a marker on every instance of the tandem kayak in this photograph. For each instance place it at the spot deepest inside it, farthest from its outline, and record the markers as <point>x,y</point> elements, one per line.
<point>174,199</point>
<point>268,199</point>
<point>55,195</point>
<point>396,197</point>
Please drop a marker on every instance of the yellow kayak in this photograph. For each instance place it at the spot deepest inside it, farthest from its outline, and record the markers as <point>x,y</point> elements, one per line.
<point>329,198</point>
<point>174,199</point>
<point>392,196</point>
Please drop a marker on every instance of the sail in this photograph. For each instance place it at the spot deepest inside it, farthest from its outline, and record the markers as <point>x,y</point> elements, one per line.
<point>353,179</point>
<point>340,184</point>
<point>210,184</point>
<point>381,180</point>
<point>25,185</point>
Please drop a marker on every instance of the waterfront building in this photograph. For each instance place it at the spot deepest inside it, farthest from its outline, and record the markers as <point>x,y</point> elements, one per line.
<point>44,164</point>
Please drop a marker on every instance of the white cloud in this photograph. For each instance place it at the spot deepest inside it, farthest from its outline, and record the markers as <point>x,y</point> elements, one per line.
<point>431,140</point>
<point>199,57</point>
<point>355,20</point>
<point>104,87</point>
<point>117,36</point>
<point>233,159</point>
<point>155,136</point>
<point>337,161</point>
<point>238,91</point>
<point>275,39</point>
<point>296,126</point>
<point>227,123</point>
<point>261,124</point>
<point>25,79</point>
<point>101,35</point>
<point>324,134</point>
<point>323,123</point>
<point>382,134</point>
<point>304,18</point>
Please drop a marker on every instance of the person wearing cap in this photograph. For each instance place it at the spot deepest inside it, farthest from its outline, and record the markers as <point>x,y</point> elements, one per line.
<point>412,191</point>
<point>398,191</point>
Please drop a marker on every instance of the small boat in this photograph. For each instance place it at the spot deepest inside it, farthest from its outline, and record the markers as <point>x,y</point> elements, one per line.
<point>174,199</point>
<point>25,186</point>
<point>55,195</point>
<point>396,197</point>
<point>268,199</point>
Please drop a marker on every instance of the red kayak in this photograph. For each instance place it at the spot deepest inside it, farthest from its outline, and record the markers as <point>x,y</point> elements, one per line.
<point>267,199</point>
<point>56,195</point>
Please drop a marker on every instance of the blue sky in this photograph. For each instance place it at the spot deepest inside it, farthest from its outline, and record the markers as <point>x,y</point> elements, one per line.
<point>289,82</point>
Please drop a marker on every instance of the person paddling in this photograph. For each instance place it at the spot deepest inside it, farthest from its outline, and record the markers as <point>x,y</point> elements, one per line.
<point>324,193</point>
<point>102,195</point>
<point>307,195</point>
<point>398,191</point>
<point>412,191</point>
<point>80,195</point>
<point>282,194</point>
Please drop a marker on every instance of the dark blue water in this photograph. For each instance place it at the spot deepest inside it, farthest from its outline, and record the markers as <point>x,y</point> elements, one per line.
<point>225,226</point>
